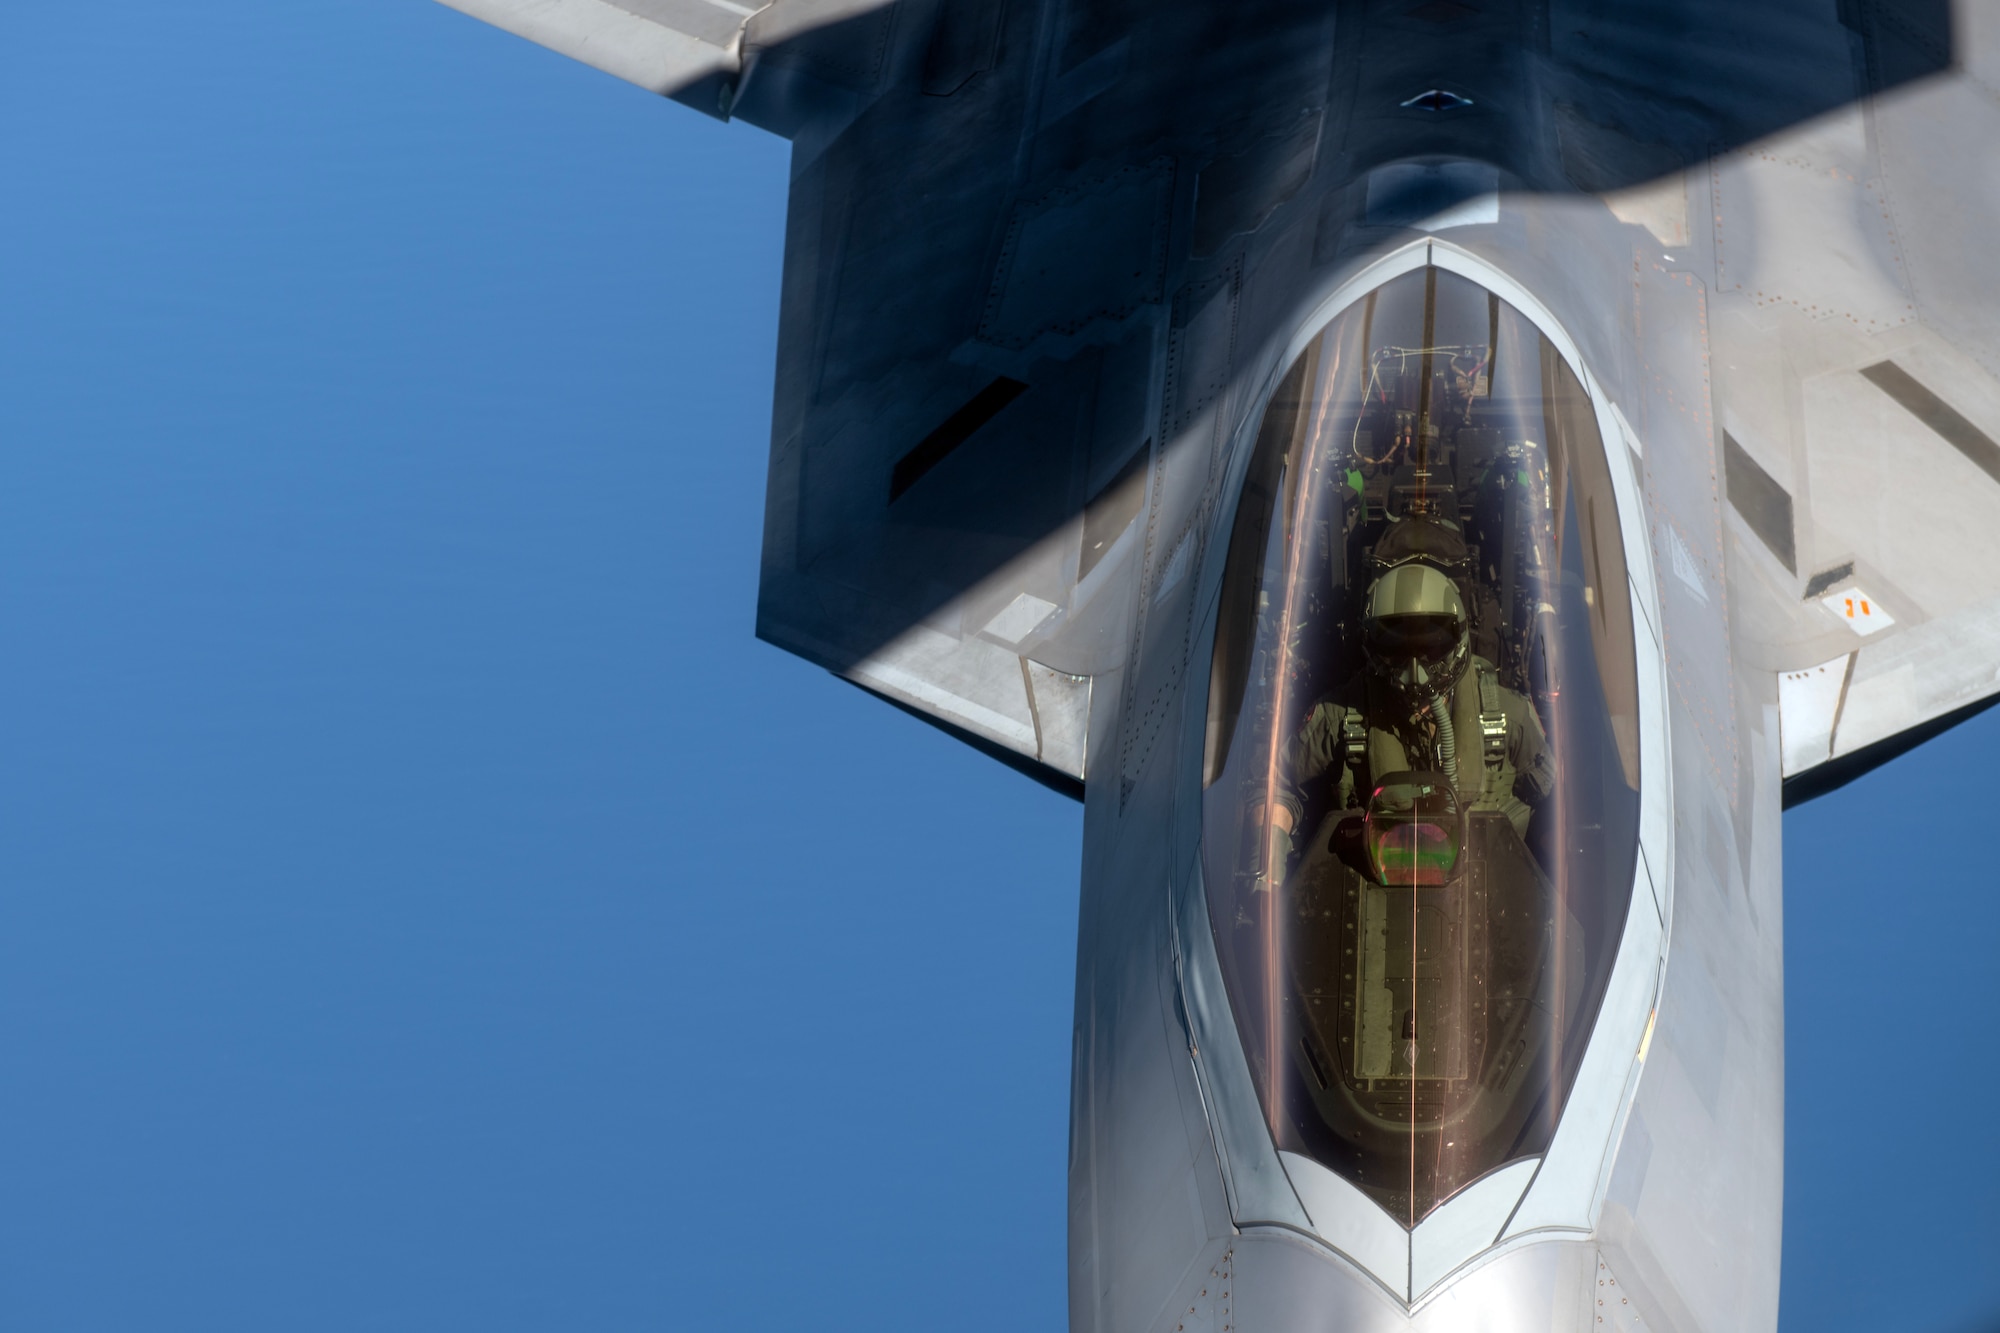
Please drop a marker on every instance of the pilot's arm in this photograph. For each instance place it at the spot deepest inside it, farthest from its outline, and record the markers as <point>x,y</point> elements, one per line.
<point>1528,751</point>
<point>1306,756</point>
<point>1317,747</point>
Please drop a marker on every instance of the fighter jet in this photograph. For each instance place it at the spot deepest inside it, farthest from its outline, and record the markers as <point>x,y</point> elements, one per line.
<point>1435,479</point>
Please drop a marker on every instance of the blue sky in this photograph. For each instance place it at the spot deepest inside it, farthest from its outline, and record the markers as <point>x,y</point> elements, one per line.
<point>423,903</point>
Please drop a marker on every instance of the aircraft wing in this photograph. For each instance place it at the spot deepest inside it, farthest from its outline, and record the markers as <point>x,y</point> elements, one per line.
<point>676,48</point>
<point>1011,302</point>
<point>978,298</point>
<point>698,52</point>
<point>927,534</point>
<point>1858,395</point>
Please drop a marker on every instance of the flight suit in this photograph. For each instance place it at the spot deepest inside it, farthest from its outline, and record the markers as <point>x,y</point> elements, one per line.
<point>1500,757</point>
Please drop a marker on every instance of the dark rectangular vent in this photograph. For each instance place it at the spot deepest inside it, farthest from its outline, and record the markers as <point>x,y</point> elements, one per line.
<point>1934,412</point>
<point>1764,504</point>
<point>1826,578</point>
<point>981,408</point>
<point>1312,1062</point>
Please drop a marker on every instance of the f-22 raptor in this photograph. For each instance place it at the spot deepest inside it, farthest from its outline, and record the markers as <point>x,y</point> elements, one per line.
<point>1435,479</point>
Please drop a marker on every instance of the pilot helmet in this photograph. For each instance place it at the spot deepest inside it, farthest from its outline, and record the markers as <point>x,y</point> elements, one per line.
<point>1417,635</point>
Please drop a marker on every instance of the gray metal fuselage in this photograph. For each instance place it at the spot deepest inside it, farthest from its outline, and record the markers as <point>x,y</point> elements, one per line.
<point>1179,1218</point>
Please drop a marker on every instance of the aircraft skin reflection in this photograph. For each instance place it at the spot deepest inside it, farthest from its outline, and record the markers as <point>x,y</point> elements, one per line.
<point>1405,468</point>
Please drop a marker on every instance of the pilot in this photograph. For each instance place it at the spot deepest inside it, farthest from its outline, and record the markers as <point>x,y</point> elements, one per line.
<point>1426,703</point>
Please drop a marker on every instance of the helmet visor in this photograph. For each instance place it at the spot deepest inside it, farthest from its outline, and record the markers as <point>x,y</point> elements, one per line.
<point>1425,638</point>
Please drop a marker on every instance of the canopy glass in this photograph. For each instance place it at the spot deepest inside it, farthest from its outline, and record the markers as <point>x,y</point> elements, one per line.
<point>1421,772</point>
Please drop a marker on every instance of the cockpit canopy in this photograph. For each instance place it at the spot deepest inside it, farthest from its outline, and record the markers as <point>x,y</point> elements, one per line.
<point>1421,772</point>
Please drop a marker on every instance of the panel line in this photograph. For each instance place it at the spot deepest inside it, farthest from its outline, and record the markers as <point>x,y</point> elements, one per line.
<point>1939,415</point>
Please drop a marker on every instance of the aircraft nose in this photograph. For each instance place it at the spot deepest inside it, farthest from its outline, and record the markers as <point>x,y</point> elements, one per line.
<point>1274,1282</point>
